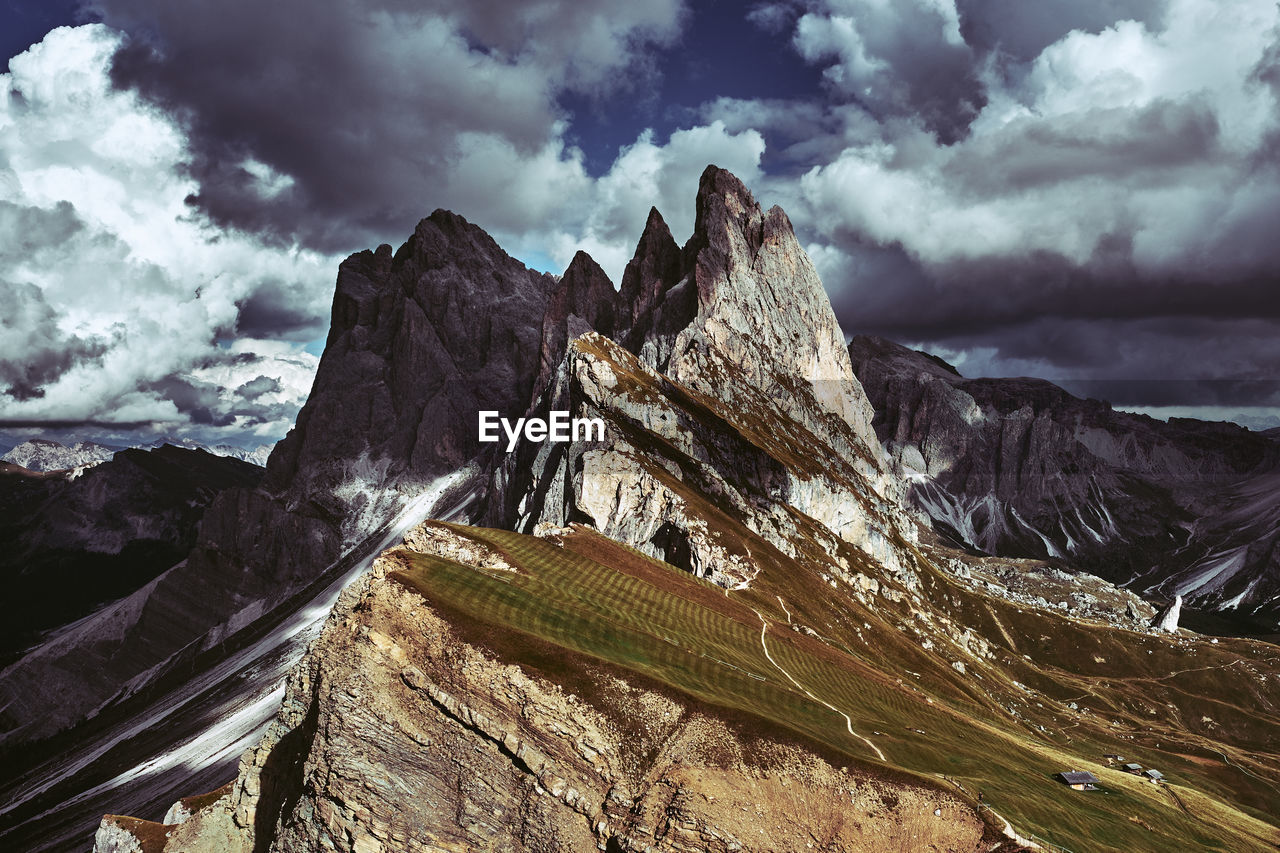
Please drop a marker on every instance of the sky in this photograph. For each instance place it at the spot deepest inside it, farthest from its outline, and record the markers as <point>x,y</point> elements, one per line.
<point>1082,190</point>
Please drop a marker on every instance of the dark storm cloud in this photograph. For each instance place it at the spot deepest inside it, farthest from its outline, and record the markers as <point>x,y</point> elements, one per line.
<point>901,59</point>
<point>1152,140</point>
<point>1218,393</point>
<point>1021,30</point>
<point>33,351</point>
<point>340,123</point>
<point>890,293</point>
<point>197,400</point>
<point>43,426</point>
<point>255,388</point>
<point>208,404</point>
<point>1108,217</point>
<point>278,311</point>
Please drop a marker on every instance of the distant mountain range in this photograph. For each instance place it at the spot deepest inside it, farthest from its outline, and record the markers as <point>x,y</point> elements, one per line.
<point>40,454</point>
<point>1021,468</point>
<point>69,544</point>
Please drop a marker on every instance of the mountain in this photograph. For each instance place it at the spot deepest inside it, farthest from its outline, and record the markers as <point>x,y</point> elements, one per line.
<point>257,455</point>
<point>717,625</point>
<point>40,454</point>
<point>70,544</point>
<point>420,339</point>
<point>1019,467</point>
<point>413,351</point>
<point>720,627</point>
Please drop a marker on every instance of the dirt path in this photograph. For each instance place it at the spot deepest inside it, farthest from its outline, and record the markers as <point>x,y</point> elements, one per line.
<point>848,722</point>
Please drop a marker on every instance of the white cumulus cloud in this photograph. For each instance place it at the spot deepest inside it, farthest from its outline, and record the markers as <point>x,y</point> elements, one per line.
<point>114,290</point>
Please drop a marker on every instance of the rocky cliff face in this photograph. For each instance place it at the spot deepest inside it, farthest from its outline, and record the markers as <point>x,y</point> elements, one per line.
<point>420,340</point>
<point>71,544</point>
<point>399,733</point>
<point>1019,467</point>
<point>731,382</point>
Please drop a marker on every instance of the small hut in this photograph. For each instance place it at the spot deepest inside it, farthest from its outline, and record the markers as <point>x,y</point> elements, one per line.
<point>1079,780</point>
<point>1153,775</point>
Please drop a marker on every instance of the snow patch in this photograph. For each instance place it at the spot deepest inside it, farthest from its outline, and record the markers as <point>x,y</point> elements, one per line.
<point>261,668</point>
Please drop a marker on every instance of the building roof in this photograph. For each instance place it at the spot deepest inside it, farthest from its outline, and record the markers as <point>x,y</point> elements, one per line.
<point>1153,774</point>
<point>1078,777</point>
<point>1131,766</point>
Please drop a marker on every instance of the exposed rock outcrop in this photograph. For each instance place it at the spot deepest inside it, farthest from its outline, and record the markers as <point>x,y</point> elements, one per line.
<point>398,734</point>
<point>1167,619</point>
<point>734,383</point>
<point>1020,467</point>
<point>420,340</point>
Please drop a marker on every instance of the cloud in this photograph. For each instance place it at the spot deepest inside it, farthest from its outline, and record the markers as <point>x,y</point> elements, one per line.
<point>1106,214</point>
<point>33,351</point>
<point>365,116</point>
<point>1081,190</point>
<point>1020,31</point>
<point>137,308</point>
<point>259,385</point>
<point>116,297</point>
<point>903,59</point>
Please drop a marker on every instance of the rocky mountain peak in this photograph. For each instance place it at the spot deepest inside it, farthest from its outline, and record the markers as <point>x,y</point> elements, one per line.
<point>762,320</point>
<point>651,274</point>
<point>736,343</point>
<point>586,290</point>
<point>582,301</point>
<point>727,218</point>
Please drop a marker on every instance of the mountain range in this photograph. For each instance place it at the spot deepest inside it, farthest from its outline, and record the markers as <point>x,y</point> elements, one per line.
<point>71,542</point>
<point>802,595</point>
<point>1019,467</point>
<point>42,454</point>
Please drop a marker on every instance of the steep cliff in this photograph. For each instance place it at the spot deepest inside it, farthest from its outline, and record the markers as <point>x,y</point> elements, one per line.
<point>408,730</point>
<point>1019,467</point>
<point>69,544</point>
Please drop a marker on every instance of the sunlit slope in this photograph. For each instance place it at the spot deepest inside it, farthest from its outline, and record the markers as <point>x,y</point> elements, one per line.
<point>801,654</point>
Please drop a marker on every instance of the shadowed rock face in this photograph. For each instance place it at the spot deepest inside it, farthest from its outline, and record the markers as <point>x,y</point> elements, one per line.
<point>651,274</point>
<point>1019,467</point>
<point>420,340</point>
<point>582,301</point>
<point>71,544</point>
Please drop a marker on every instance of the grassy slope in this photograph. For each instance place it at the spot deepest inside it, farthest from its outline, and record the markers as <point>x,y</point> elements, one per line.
<point>603,600</point>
